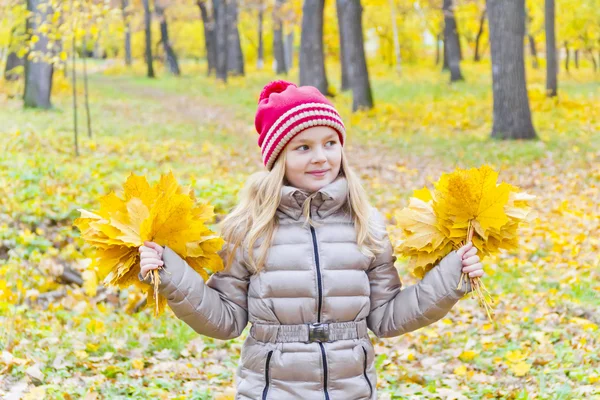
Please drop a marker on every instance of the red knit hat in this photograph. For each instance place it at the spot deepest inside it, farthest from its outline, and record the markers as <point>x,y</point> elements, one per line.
<point>285,110</point>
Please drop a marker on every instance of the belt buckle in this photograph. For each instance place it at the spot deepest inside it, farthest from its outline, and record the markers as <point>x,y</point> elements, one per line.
<point>318,332</point>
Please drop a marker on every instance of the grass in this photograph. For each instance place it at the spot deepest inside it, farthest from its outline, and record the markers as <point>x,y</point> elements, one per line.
<point>202,130</point>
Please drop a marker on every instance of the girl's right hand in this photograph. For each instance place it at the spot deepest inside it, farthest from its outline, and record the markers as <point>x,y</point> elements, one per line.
<point>150,257</point>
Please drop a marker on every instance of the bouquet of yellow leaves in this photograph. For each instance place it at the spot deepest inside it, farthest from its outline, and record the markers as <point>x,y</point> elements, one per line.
<point>465,205</point>
<point>164,213</point>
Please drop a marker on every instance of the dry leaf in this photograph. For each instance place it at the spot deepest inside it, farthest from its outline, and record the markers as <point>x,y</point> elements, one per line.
<point>165,214</point>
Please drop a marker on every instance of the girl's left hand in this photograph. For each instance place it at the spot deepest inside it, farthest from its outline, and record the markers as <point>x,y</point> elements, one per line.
<point>470,261</point>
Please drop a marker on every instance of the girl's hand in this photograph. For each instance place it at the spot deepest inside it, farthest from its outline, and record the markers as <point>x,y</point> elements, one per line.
<point>150,257</point>
<point>470,261</point>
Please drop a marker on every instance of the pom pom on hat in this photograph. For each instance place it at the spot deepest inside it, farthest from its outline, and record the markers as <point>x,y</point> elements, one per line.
<point>274,87</point>
<point>294,109</point>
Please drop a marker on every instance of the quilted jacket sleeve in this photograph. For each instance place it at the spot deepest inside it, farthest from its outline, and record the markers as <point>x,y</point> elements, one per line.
<point>217,308</point>
<point>396,311</point>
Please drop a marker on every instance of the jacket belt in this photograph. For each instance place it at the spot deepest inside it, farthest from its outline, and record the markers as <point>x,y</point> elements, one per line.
<point>316,332</point>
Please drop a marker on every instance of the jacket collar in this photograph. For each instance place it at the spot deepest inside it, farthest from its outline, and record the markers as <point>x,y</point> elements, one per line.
<point>326,200</point>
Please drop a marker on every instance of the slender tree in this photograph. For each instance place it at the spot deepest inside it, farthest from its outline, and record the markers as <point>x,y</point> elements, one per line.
<point>344,61</point>
<point>312,57</point>
<point>551,59</point>
<point>170,56</point>
<point>235,57</point>
<point>397,54</point>
<point>148,31</point>
<point>260,59</point>
<point>567,56</point>
<point>532,46</point>
<point>477,56</point>
<point>278,46</point>
<point>288,49</point>
<point>210,42</point>
<point>127,25</point>
<point>38,69</point>
<point>85,87</point>
<point>220,10</point>
<point>351,12</point>
<point>438,40</point>
<point>512,115</point>
<point>451,42</point>
<point>74,76</point>
<point>13,60</point>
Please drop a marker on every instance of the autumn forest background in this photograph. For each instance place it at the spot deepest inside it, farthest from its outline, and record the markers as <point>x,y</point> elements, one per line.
<point>93,90</point>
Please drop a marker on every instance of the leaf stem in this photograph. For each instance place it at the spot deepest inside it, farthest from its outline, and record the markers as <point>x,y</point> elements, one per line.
<point>479,290</point>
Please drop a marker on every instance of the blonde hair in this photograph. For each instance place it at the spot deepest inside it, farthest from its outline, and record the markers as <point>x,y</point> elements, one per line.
<point>254,218</point>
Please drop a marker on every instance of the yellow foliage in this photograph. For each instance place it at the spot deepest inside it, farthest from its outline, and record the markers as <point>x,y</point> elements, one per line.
<point>467,355</point>
<point>520,369</point>
<point>463,201</point>
<point>164,213</point>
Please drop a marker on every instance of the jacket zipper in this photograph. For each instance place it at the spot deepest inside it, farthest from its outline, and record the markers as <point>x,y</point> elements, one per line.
<point>266,389</point>
<point>365,372</point>
<point>319,283</point>
<point>320,288</point>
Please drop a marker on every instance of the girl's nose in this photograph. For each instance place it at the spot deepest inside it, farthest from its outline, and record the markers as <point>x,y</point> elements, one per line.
<point>319,155</point>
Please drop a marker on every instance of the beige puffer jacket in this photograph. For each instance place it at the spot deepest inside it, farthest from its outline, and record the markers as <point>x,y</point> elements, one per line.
<point>312,275</point>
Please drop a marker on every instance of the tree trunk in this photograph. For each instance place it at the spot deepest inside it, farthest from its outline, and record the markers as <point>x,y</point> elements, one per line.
<point>13,60</point>
<point>477,56</point>
<point>99,52</point>
<point>437,48</point>
<point>278,47</point>
<point>351,11</point>
<point>127,25</point>
<point>209,35</point>
<point>312,57</point>
<point>551,59</point>
<point>260,59</point>
<point>343,56</point>
<point>533,50</point>
<point>445,64</point>
<point>148,31</point>
<point>451,42</point>
<point>220,8</point>
<point>170,57</point>
<point>289,50</point>
<point>512,115</point>
<point>567,56</point>
<point>576,58</point>
<point>235,57</point>
<point>38,72</point>
<point>85,88</point>
<point>397,54</point>
<point>74,77</point>
<point>591,53</point>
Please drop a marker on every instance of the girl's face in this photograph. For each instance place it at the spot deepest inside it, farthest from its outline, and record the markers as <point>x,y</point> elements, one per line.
<point>313,158</point>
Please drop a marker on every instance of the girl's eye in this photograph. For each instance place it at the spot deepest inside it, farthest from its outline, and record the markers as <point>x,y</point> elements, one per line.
<point>333,142</point>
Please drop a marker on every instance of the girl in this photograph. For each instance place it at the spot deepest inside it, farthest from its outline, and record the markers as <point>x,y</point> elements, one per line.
<point>308,263</point>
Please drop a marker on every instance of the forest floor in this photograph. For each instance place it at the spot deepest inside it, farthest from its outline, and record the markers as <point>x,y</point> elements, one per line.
<point>545,340</point>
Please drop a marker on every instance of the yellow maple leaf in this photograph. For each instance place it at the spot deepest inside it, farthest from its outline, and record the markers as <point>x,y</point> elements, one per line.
<point>90,282</point>
<point>420,220</point>
<point>166,214</point>
<point>520,369</point>
<point>460,370</point>
<point>465,205</point>
<point>473,194</point>
<point>467,355</point>
<point>138,364</point>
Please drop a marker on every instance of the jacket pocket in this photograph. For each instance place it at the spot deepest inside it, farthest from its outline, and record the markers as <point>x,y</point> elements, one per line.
<point>365,372</point>
<point>267,364</point>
